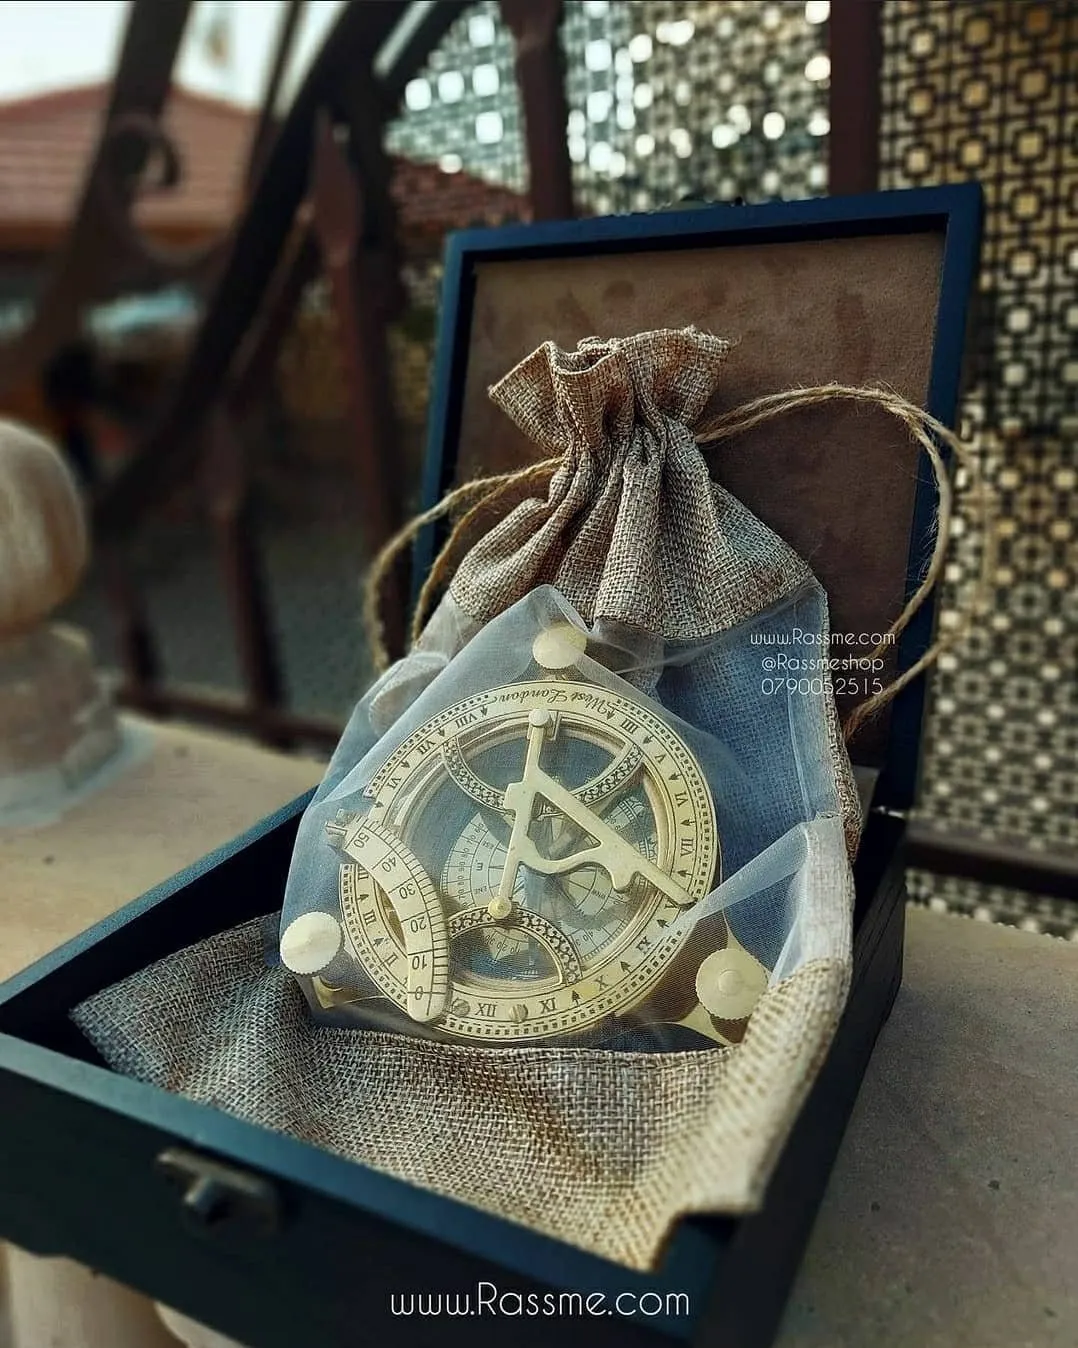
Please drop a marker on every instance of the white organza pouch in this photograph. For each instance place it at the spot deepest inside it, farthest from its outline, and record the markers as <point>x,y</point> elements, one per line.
<point>534,850</point>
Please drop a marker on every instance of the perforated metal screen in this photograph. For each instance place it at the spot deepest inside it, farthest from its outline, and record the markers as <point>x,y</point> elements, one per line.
<point>988,90</point>
<point>711,101</point>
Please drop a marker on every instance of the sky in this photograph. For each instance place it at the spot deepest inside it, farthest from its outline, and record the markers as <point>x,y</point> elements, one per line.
<point>54,44</point>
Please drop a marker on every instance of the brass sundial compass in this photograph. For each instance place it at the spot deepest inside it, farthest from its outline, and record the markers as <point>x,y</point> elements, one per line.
<point>521,870</point>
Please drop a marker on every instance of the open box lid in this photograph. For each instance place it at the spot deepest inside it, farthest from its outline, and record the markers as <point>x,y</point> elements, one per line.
<point>855,290</point>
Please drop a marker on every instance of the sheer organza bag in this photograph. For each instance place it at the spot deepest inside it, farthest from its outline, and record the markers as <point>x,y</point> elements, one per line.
<point>537,851</point>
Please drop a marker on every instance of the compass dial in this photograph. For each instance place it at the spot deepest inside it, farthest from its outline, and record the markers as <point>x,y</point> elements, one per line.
<point>471,874</point>
<point>583,903</point>
<point>524,858</point>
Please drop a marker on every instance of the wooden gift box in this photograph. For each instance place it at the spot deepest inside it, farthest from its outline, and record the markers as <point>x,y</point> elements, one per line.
<point>278,1243</point>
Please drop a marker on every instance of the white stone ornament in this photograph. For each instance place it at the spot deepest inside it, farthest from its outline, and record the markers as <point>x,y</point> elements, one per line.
<point>57,724</point>
<point>43,541</point>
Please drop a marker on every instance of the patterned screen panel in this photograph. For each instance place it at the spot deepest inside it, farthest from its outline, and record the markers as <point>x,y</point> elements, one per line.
<point>459,159</point>
<point>986,89</point>
<point>462,111</point>
<point>708,101</point>
<point>994,903</point>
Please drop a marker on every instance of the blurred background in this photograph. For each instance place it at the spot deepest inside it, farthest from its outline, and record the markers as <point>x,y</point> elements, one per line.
<point>221,227</point>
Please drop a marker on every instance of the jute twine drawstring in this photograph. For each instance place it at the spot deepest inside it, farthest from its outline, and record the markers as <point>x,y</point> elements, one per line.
<point>480,495</point>
<point>926,431</point>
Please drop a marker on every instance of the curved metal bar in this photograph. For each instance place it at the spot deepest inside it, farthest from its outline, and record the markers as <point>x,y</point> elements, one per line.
<point>170,451</point>
<point>89,258</point>
<point>118,194</point>
<point>540,70</point>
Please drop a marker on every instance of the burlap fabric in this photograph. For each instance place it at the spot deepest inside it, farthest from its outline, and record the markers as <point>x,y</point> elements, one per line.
<point>603,1150</point>
<point>632,529</point>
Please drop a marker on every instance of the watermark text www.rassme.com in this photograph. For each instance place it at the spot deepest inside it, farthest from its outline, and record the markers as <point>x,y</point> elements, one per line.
<point>798,636</point>
<point>488,1299</point>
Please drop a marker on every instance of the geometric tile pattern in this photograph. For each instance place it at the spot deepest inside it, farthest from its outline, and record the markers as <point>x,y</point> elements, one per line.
<point>462,111</point>
<point>993,903</point>
<point>711,100</point>
<point>976,89</point>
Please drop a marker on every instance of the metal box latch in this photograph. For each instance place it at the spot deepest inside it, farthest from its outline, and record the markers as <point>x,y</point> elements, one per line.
<point>216,1195</point>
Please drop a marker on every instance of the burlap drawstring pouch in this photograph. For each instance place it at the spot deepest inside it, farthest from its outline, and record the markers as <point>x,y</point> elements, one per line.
<point>577,883</point>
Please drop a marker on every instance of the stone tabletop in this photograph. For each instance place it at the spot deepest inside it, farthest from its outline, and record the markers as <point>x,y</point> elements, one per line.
<point>187,793</point>
<point>178,794</point>
<point>951,1219</point>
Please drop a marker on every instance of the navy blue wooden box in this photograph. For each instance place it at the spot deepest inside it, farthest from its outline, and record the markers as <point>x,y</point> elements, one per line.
<point>277,1243</point>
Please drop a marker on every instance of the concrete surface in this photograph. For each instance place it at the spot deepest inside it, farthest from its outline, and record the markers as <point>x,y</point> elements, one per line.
<point>951,1220</point>
<point>191,793</point>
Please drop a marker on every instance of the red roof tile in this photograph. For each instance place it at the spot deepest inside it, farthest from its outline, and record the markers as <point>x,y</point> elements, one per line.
<point>429,201</point>
<point>46,144</point>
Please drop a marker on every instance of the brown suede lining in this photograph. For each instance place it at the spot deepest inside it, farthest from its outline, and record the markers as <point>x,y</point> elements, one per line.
<point>837,482</point>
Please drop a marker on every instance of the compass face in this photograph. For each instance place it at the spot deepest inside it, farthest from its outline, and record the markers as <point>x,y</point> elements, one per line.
<point>523,861</point>
<point>582,902</point>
